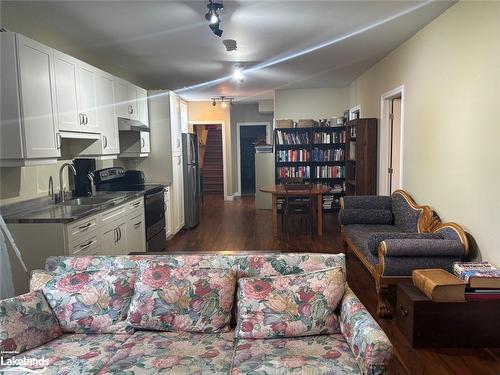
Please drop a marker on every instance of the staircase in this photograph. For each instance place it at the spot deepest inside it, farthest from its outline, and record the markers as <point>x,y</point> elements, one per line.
<point>212,172</point>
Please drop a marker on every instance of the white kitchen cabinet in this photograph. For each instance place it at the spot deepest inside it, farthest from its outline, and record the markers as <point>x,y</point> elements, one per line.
<point>145,145</point>
<point>126,99</point>
<point>114,237</point>
<point>175,125</point>
<point>87,96</point>
<point>109,142</point>
<point>168,212</point>
<point>28,130</point>
<point>136,232</point>
<point>142,106</point>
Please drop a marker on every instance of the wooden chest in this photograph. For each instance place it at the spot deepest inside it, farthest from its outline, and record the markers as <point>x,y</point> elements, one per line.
<point>446,324</point>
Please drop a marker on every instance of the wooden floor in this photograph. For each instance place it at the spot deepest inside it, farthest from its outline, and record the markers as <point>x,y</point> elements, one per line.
<point>237,226</point>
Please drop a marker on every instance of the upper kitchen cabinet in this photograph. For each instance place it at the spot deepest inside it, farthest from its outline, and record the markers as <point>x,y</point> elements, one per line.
<point>75,87</point>
<point>175,124</point>
<point>28,131</point>
<point>131,102</point>
<point>108,146</point>
<point>142,106</point>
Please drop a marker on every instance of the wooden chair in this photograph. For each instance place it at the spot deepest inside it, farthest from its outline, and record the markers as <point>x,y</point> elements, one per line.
<point>299,205</point>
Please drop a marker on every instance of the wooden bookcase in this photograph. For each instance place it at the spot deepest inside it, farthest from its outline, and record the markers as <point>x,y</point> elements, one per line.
<point>361,157</point>
<point>316,154</point>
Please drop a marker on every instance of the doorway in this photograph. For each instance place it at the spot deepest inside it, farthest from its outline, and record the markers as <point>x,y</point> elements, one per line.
<point>250,136</point>
<point>392,140</point>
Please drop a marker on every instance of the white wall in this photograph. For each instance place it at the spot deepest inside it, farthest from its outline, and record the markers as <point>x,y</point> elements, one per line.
<point>314,104</point>
<point>451,74</point>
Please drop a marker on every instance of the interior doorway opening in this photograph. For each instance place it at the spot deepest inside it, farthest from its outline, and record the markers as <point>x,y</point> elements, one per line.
<point>211,160</point>
<point>391,141</point>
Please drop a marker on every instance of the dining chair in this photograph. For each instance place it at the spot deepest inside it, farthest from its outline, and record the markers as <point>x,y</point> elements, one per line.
<point>299,205</point>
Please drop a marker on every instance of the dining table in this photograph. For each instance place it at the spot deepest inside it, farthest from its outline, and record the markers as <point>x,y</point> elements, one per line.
<point>279,191</point>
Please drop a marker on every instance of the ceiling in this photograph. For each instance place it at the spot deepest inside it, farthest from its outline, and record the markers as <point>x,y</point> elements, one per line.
<point>168,45</point>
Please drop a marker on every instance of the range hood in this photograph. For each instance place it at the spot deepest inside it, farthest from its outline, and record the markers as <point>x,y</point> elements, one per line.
<point>125,124</point>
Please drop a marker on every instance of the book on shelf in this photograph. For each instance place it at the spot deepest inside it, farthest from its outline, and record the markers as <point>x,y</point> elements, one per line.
<point>352,131</point>
<point>319,154</point>
<point>292,138</point>
<point>337,188</point>
<point>293,155</point>
<point>439,285</point>
<point>301,171</point>
<point>323,137</point>
<point>482,294</point>
<point>478,274</point>
<point>329,171</point>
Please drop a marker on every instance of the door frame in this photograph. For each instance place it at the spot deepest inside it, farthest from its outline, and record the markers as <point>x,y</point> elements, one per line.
<point>385,139</point>
<point>238,139</point>
<point>224,151</point>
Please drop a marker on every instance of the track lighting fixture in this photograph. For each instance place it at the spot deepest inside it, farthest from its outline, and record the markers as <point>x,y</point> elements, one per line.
<point>223,100</point>
<point>212,16</point>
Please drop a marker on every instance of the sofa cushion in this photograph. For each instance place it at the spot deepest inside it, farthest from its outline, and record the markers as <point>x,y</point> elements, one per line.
<point>88,301</point>
<point>359,234</point>
<point>318,355</point>
<point>405,216</point>
<point>374,239</point>
<point>287,306</point>
<point>26,321</point>
<point>369,202</point>
<point>364,216</point>
<point>151,353</point>
<point>182,299</point>
<point>257,264</point>
<point>73,354</point>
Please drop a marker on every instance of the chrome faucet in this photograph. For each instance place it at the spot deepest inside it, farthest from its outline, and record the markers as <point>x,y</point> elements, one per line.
<point>51,188</point>
<point>90,176</point>
<point>61,189</point>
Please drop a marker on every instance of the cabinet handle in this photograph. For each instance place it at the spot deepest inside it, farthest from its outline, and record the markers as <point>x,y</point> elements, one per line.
<point>105,141</point>
<point>119,233</point>
<point>404,312</point>
<point>86,119</point>
<point>115,235</point>
<point>137,224</point>
<point>142,142</point>
<point>81,118</point>
<point>129,109</point>
<point>136,204</point>
<point>58,141</point>
<point>85,226</point>
<point>87,244</point>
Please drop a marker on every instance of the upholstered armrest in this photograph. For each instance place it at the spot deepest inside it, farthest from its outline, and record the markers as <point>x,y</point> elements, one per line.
<point>27,322</point>
<point>369,344</point>
<point>426,247</point>
<point>366,202</point>
<point>376,238</point>
<point>365,216</point>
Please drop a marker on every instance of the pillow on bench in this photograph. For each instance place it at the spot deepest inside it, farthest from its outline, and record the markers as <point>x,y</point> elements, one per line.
<point>180,299</point>
<point>26,321</point>
<point>88,301</point>
<point>289,306</point>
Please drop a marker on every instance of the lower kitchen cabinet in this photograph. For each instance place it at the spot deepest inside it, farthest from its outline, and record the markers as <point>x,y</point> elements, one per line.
<point>117,231</point>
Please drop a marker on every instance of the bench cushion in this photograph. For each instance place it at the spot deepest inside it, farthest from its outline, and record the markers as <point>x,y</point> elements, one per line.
<point>175,353</point>
<point>318,355</point>
<point>73,354</point>
<point>360,234</point>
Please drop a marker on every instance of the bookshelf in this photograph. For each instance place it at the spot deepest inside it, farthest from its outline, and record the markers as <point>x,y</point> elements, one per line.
<point>315,154</point>
<point>361,157</point>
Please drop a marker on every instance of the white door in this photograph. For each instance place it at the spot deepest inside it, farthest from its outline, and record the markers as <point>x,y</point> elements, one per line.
<point>145,145</point>
<point>122,99</point>
<point>136,234</point>
<point>65,74</point>
<point>175,124</point>
<point>142,106</point>
<point>168,211</point>
<point>87,97</point>
<point>36,75</point>
<point>106,114</point>
<point>395,149</point>
<point>178,194</point>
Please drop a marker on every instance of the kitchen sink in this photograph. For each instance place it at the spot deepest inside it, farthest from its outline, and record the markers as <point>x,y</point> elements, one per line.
<point>85,201</point>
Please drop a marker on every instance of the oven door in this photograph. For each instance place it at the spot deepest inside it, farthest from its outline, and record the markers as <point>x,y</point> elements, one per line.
<point>154,212</point>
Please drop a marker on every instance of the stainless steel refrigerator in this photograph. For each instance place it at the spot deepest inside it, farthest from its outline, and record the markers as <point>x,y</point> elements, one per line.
<point>192,180</point>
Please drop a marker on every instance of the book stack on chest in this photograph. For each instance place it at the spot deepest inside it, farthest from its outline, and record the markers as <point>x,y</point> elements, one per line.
<point>482,278</point>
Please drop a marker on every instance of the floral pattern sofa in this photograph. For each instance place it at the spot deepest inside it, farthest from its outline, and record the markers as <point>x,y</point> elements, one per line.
<point>359,347</point>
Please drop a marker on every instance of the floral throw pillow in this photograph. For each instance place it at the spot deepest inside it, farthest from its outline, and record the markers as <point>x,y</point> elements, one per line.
<point>180,299</point>
<point>26,321</point>
<point>88,301</point>
<point>289,306</point>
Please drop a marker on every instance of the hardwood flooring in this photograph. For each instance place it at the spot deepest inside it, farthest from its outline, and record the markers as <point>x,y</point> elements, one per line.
<point>237,226</point>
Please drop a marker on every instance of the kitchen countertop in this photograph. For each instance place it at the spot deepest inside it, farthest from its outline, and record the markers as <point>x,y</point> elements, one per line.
<point>43,210</point>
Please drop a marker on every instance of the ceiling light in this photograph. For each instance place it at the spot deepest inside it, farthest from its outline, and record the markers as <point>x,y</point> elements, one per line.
<point>238,74</point>
<point>213,17</point>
